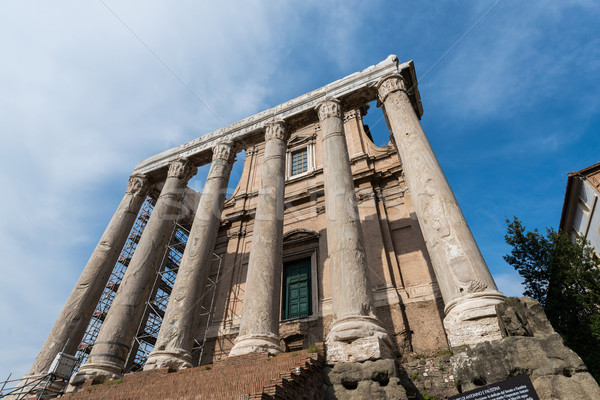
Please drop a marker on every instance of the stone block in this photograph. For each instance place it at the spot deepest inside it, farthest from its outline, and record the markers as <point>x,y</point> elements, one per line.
<point>368,380</point>
<point>559,387</point>
<point>362,349</point>
<point>530,347</point>
<point>523,317</point>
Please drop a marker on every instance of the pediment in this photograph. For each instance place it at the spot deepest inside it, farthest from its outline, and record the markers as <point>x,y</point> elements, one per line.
<point>300,139</point>
<point>300,234</point>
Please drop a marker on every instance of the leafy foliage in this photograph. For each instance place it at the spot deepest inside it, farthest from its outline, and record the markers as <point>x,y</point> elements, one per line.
<point>564,276</point>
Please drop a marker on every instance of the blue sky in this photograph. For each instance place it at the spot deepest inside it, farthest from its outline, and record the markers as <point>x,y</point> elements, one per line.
<point>88,89</point>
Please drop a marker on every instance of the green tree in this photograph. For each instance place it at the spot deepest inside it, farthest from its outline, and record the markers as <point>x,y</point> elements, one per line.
<point>564,276</point>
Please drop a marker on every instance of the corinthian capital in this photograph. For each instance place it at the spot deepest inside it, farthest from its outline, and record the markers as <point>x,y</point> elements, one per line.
<point>389,84</point>
<point>138,185</point>
<point>329,108</point>
<point>182,168</point>
<point>224,151</point>
<point>276,130</point>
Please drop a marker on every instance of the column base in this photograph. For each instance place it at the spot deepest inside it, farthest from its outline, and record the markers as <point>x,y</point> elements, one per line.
<point>104,372</point>
<point>357,338</point>
<point>254,344</point>
<point>175,359</point>
<point>472,319</point>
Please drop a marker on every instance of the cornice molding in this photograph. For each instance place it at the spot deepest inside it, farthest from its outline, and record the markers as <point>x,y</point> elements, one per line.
<point>360,84</point>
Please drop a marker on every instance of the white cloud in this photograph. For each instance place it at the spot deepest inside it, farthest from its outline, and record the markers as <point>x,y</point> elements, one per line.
<point>83,100</point>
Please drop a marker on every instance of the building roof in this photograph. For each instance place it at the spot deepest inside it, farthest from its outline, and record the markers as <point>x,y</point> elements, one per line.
<point>572,193</point>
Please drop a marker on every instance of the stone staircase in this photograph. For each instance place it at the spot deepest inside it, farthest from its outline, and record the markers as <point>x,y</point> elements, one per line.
<point>294,375</point>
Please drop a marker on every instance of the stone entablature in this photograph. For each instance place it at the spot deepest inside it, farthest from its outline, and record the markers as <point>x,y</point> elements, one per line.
<point>355,90</point>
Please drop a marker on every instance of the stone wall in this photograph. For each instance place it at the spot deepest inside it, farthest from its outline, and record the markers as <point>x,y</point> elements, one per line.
<point>428,376</point>
<point>417,377</point>
<point>529,346</point>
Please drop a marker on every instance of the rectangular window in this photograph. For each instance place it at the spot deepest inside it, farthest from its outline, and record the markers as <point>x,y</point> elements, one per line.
<point>299,161</point>
<point>297,297</point>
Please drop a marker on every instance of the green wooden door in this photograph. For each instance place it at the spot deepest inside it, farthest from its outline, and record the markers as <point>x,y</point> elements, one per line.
<point>297,289</point>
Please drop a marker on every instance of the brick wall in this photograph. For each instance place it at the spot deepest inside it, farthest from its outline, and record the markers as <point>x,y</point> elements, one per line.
<point>294,375</point>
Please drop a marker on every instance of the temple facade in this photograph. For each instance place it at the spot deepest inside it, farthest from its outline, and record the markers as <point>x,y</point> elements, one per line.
<point>326,238</point>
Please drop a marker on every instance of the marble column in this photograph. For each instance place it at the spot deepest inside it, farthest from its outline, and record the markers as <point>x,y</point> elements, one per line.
<point>355,335</point>
<point>259,327</point>
<point>117,333</point>
<point>75,316</point>
<point>180,324</point>
<point>466,284</point>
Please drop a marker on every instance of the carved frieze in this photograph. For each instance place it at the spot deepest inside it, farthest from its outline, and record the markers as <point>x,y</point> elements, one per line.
<point>389,84</point>
<point>138,185</point>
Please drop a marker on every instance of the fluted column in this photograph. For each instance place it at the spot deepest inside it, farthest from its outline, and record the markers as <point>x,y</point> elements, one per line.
<point>259,327</point>
<point>116,335</point>
<point>75,316</point>
<point>467,286</point>
<point>180,324</point>
<point>355,334</point>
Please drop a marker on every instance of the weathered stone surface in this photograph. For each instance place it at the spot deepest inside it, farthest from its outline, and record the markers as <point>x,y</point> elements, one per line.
<point>355,334</point>
<point>374,347</point>
<point>523,317</point>
<point>259,326</point>
<point>176,337</point>
<point>368,380</point>
<point>532,348</point>
<point>112,345</point>
<point>553,368</point>
<point>473,319</point>
<point>580,386</point>
<point>428,375</point>
<point>490,362</point>
<point>357,339</point>
<point>466,283</point>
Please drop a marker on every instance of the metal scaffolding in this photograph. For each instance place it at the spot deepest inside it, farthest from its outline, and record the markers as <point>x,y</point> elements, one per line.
<point>156,305</point>
<point>207,311</point>
<point>85,347</point>
<point>43,386</point>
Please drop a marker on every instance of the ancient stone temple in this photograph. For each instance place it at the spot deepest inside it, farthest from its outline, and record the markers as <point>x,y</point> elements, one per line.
<point>326,240</point>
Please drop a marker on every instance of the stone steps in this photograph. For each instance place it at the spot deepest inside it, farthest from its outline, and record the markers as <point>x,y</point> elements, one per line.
<point>294,375</point>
